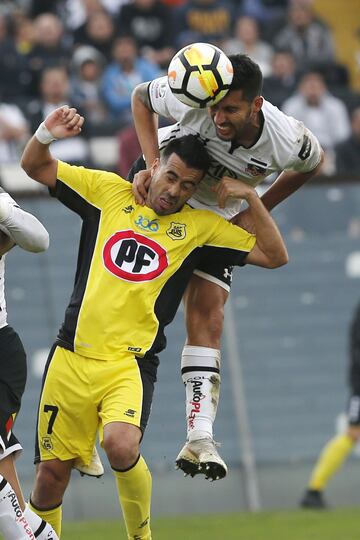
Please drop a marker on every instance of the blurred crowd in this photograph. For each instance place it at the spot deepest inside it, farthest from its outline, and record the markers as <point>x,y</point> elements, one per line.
<point>92,53</point>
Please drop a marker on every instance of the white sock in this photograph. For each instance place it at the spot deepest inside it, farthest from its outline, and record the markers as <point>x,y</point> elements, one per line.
<point>13,524</point>
<point>42,530</point>
<point>200,370</point>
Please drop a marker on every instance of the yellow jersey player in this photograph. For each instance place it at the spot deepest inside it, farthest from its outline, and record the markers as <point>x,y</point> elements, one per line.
<point>133,266</point>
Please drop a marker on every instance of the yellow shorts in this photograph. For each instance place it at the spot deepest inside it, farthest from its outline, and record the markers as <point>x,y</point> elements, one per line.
<point>81,395</point>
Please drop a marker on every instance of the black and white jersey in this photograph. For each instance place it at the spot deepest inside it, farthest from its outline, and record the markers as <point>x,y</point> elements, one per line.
<point>284,143</point>
<point>3,313</point>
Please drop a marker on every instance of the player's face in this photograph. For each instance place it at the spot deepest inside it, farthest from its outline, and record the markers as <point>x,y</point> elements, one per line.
<point>172,184</point>
<point>233,115</point>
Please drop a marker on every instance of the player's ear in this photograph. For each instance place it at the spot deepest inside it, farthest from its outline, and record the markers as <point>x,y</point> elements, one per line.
<point>258,103</point>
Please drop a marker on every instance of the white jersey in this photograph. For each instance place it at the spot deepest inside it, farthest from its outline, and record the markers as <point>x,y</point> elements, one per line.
<point>284,143</point>
<point>3,312</point>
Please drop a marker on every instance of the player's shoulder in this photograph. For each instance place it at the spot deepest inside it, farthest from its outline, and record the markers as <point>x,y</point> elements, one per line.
<point>279,123</point>
<point>204,218</point>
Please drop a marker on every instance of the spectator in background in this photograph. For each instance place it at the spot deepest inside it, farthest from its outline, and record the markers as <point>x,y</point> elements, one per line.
<point>204,20</point>
<point>340,446</point>
<point>85,93</point>
<point>246,40</point>
<point>126,71</point>
<point>309,39</point>
<point>324,114</point>
<point>55,92</point>
<point>13,133</point>
<point>98,31</point>
<point>282,82</point>
<point>150,23</point>
<point>348,152</point>
<point>49,49</point>
<point>15,81</point>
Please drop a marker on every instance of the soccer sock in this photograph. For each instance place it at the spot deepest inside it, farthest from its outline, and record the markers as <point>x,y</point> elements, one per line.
<point>134,490</point>
<point>330,460</point>
<point>200,370</point>
<point>13,524</point>
<point>52,516</point>
<point>42,530</point>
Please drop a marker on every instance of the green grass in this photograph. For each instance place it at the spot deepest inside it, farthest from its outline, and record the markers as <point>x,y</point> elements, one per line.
<point>295,525</point>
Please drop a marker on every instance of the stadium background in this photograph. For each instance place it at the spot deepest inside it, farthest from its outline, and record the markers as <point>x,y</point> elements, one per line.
<point>285,329</point>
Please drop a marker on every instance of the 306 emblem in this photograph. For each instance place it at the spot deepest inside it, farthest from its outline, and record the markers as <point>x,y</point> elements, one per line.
<point>147,224</point>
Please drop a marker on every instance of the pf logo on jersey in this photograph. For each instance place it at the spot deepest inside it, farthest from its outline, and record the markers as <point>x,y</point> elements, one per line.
<point>134,257</point>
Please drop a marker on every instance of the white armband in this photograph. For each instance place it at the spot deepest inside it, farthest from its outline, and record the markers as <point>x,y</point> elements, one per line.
<point>43,135</point>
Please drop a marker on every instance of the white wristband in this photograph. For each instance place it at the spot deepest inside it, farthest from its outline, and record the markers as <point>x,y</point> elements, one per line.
<point>43,135</point>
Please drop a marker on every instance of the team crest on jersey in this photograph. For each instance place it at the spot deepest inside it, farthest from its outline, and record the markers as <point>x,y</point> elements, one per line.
<point>128,209</point>
<point>255,170</point>
<point>176,231</point>
<point>134,257</point>
<point>47,444</point>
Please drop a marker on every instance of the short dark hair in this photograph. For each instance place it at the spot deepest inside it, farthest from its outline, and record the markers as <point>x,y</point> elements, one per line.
<point>190,149</point>
<point>247,76</point>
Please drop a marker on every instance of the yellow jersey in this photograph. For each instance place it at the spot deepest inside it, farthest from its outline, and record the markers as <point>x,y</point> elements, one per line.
<point>133,265</point>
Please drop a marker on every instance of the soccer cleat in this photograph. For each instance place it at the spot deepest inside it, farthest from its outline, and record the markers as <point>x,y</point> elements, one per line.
<point>313,499</point>
<point>201,457</point>
<point>95,467</point>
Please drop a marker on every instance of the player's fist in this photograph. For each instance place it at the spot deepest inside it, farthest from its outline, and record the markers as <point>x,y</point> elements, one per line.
<point>64,122</point>
<point>234,188</point>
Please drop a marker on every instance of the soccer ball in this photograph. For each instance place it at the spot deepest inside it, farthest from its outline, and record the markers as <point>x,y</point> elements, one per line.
<point>200,75</point>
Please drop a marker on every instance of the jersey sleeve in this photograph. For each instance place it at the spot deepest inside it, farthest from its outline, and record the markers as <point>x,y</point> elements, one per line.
<point>80,188</point>
<point>163,101</point>
<point>306,153</point>
<point>232,242</point>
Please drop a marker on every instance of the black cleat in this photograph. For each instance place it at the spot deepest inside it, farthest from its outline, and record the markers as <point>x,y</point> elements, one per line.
<point>313,499</point>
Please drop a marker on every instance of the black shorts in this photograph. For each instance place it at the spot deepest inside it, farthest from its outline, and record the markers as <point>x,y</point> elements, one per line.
<point>12,385</point>
<point>354,410</point>
<point>210,268</point>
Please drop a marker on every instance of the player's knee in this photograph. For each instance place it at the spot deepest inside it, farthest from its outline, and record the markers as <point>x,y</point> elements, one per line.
<point>50,485</point>
<point>122,452</point>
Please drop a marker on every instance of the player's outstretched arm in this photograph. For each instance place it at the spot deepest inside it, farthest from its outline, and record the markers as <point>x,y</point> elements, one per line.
<point>21,228</point>
<point>37,160</point>
<point>287,183</point>
<point>146,125</point>
<point>270,250</point>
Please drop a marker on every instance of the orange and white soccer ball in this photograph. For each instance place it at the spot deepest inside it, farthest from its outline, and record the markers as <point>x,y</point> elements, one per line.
<point>200,75</point>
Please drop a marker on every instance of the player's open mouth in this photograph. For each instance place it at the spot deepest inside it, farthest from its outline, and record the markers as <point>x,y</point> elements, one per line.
<point>165,204</point>
<point>223,130</point>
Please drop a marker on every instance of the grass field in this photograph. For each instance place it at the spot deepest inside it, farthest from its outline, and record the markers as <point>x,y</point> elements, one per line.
<point>296,525</point>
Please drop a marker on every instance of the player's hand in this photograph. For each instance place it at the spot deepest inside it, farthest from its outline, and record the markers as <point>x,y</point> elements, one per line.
<point>141,185</point>
<point>64,122</point>
<point>244,220</point>
<point>231,187</point>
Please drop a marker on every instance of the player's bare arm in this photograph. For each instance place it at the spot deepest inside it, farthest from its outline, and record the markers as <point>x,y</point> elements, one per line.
<point>146,125</point>
<point>37,160</point>
<point>269,250</point>
<point>287,183</point>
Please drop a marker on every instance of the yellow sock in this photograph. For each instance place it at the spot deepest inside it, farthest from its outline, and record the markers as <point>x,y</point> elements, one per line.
<point>134,490</point>
<point>331,458</point>
<point>52,516</point>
